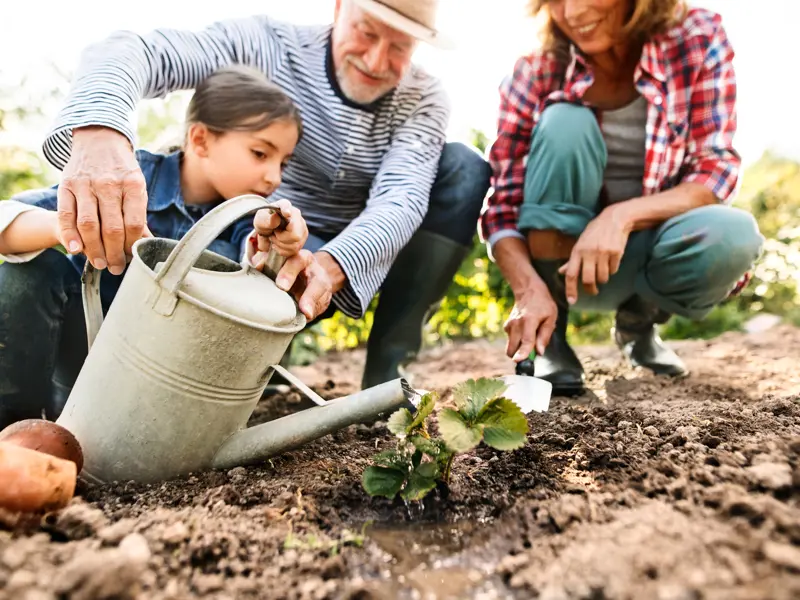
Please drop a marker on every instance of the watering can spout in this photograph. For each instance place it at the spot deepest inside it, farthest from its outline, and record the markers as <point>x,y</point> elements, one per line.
<point>256,444</point>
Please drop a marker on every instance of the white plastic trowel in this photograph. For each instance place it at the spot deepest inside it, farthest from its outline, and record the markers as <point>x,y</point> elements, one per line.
<point>529,393</point>
<point>526,391</point>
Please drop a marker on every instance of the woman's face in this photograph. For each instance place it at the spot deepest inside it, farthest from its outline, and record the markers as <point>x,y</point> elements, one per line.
<point>594,26</point>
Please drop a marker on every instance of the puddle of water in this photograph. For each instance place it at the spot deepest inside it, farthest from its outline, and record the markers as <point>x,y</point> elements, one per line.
<point>437,561</point>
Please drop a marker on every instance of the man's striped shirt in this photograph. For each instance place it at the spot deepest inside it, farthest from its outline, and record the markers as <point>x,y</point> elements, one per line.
<point>361,174</point>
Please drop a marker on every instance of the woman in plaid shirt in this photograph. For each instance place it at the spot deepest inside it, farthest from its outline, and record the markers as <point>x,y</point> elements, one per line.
<point>613,170</point>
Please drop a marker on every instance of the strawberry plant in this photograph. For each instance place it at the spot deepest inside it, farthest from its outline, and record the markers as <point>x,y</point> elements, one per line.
<point>419,461</point>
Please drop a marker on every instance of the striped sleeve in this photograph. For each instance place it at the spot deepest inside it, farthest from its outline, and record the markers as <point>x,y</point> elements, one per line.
<point>116,73</point>
<point>397,203</point>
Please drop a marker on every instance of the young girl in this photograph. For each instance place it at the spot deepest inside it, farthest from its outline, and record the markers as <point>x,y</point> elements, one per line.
<point>241,131</point>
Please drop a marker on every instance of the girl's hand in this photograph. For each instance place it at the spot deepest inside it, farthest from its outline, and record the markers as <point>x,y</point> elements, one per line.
<point>597,254</point>
<point>287,241</point>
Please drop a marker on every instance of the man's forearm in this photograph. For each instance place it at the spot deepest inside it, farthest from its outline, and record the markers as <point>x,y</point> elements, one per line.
<point>114,75</point>
<point>651,211</point>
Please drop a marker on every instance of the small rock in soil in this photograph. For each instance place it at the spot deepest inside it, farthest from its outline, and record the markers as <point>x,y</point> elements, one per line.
<point>175,533</point>
<point>78,521</point>
<point>783,554</point>
<point>107,573</point>
<point>652,431</point>
<point>113,534</point>
<point>205,584</point>
<point>237,474</point>
<point>772,476</point>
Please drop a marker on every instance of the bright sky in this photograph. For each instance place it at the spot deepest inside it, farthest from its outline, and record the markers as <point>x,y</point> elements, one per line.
<point>491,35</point>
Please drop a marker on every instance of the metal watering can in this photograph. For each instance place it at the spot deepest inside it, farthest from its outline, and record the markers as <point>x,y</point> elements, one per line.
<point>183,357</point>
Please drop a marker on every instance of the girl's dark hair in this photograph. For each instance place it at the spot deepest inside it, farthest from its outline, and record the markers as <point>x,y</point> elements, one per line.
<point>239,98</point>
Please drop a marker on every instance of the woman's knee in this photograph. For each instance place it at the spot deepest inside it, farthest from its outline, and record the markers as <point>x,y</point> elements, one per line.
<point>568,131</point>
<point>704,252</point>
<point>732,240</point>
<point>564,172</point>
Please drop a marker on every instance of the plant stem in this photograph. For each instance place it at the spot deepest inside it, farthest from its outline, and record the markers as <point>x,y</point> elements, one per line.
<point>447,466</point>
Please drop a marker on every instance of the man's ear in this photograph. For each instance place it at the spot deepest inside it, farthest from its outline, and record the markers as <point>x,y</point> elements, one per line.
<point>197,139</point>
<point>337,8</point>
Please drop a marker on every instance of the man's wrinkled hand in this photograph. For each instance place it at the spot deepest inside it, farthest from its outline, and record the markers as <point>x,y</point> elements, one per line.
<point>304,278</point>
<point>102,198</point>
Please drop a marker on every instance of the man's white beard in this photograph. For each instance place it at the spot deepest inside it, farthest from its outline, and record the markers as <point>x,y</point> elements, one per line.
<point>360,94</point>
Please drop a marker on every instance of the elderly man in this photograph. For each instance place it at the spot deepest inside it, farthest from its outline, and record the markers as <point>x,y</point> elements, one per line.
<point>390,206</point>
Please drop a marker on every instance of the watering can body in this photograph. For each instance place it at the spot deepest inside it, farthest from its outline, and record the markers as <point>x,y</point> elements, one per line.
<point>181,359</point>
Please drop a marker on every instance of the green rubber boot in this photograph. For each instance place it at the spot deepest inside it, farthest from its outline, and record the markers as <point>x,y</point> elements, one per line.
<point>410,295</point>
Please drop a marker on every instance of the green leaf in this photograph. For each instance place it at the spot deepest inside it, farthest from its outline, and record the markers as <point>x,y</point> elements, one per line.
<point>472,395</point>
<point>422,481</point>
<point>393,460</point>
<point>416,458</point>
<point>432,448</point>
<point>424,409</point>
<point>399,422</point>
<point>504,424</point>
<point>428,470</point>
<point>456,432</point>
<point>382,481</point>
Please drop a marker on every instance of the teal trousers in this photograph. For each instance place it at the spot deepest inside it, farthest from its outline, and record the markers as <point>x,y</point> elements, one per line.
<point>686,266</point>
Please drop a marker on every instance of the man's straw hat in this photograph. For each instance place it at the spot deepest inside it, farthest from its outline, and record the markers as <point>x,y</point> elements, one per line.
<point>417,18</point>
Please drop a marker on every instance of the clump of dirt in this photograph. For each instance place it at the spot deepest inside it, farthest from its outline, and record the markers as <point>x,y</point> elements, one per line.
<point>642,488</point>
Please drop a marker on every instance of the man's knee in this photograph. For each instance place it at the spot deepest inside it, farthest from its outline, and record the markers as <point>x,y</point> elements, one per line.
<point>458,192</point>
<point>463,177</point>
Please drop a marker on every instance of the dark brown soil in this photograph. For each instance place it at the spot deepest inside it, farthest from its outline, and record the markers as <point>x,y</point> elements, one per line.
<point>644,488</point>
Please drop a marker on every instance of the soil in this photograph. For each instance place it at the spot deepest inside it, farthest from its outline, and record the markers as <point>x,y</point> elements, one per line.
<point>642,488</point>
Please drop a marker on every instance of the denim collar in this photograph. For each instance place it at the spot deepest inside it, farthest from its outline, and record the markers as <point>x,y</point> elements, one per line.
<point>165,186</point>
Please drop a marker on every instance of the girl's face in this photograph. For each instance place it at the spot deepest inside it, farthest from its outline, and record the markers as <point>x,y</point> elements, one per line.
<point>594,26</point>
<point>245,162</point>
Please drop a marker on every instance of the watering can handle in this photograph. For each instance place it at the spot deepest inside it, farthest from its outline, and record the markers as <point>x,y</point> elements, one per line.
<point>205,231</point>
<point>182,257</point>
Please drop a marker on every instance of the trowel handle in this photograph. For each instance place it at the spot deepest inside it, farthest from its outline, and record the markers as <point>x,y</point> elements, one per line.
<point>200,237</point>
<point>92,306</point>
<point>274,261</point>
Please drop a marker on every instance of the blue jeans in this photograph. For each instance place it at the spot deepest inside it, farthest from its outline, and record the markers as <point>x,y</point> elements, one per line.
<point>455,203</point>
<point>42,333</point>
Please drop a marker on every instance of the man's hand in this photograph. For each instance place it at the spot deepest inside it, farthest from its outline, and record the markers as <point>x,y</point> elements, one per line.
<point>102,198</point>
<point>597,254</point>
<point>304,278</point>
<point>332,268</point>
<point>531,323</point>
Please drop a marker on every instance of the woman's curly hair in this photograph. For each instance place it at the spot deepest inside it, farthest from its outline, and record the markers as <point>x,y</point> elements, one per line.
<point>647,19</point>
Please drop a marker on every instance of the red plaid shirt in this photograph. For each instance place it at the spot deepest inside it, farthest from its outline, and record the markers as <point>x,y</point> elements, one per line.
<point>687,77</point>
